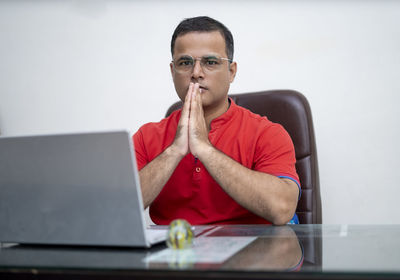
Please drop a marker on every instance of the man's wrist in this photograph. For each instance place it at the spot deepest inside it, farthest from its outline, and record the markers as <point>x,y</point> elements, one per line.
<point>206,152</point>
<point>174,152</point>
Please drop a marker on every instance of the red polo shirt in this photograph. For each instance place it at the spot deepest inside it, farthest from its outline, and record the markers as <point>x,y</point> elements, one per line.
<point>191,193</point>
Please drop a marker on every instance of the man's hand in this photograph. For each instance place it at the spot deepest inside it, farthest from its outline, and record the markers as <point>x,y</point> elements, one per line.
<point>181,142</point>
<point>198,132</point>
<point>192,133</point>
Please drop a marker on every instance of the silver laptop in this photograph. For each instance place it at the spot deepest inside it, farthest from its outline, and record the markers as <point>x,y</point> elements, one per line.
<point>72,189</point>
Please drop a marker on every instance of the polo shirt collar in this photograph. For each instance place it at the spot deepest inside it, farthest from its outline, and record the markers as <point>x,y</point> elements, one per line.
<point>225,117</point>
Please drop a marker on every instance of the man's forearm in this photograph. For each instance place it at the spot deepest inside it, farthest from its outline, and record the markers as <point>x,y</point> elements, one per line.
<point>266,195</point>
<point>156,173</point>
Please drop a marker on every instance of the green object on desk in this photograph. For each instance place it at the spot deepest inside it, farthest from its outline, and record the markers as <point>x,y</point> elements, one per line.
<point>180,235</point>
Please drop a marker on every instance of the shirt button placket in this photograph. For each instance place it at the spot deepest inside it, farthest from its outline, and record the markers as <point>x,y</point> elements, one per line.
<point>197,170</point>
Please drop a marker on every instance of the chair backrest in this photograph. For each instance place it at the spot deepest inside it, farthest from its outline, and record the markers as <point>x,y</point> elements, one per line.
<point>290,109</point>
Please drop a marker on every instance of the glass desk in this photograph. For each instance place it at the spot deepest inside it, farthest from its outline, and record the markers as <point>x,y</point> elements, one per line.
<point>225,252</point>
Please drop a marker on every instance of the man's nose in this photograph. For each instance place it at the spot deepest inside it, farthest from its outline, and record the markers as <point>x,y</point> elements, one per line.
<point>197,70</point>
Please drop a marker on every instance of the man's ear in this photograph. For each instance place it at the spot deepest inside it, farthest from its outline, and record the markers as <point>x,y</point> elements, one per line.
<point>232,71</point>
<point>171,67</point>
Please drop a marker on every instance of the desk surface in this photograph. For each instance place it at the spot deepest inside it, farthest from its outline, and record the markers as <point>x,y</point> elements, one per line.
<point>250,252</point>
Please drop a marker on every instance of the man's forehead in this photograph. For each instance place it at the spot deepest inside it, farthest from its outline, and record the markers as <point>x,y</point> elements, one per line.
<point>200,43</point>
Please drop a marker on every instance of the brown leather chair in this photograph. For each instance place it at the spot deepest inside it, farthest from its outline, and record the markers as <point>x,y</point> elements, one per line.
<point>290,109</point>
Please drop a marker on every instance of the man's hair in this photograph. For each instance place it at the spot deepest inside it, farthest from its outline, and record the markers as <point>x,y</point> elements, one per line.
<point>203,24</point>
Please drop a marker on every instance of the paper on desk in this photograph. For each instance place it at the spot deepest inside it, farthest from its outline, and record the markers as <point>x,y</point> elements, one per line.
<point>204,250</point>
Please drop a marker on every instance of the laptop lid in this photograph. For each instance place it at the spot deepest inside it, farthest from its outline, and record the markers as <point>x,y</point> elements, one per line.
<point>71,189</point>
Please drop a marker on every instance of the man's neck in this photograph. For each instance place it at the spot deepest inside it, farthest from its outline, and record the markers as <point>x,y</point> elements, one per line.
<point>214,112</point>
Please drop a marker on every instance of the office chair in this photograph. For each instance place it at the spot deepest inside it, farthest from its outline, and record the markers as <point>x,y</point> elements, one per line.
<point>290,109</point>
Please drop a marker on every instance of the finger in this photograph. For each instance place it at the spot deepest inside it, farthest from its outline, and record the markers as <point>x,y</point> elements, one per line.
<point>197,103</point>
<point>195,93</point>
<point>186,104</point>
<point>189,92</point>
<point>196,88</point>
<point>200,101</point>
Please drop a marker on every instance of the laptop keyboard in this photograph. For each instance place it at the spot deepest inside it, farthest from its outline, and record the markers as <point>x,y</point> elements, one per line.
<point>156,235</point>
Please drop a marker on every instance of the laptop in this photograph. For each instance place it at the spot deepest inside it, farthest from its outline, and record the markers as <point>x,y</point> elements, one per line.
<point>72,189</point>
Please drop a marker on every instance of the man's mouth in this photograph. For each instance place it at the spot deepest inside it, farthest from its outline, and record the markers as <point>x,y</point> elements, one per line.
<point>202,88</point>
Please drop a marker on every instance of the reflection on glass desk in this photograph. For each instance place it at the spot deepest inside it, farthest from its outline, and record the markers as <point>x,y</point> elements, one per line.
<point>225,252</point>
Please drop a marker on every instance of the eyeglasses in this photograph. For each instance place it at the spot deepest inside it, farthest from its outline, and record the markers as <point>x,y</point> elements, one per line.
<point>185,64</point>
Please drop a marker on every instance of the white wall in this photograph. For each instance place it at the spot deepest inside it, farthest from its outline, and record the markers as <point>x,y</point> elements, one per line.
<point>93,65</point>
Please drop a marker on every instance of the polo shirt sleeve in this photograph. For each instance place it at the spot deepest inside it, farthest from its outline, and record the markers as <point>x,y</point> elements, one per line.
<point>140,150</point>
<point>275,153</point>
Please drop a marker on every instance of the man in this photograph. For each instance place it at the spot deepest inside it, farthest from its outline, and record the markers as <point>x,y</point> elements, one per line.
<point>213,162</point>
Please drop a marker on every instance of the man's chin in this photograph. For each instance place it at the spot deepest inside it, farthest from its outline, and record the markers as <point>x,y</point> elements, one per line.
<point>209,103</point>
<point>205,100</point>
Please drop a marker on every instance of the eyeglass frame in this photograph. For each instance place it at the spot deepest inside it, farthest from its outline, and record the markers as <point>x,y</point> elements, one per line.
<point>203,66</point>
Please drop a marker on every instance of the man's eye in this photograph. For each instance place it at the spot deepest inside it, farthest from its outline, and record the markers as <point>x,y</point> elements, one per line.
<point>211,62</point>
<point>185,63</point>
